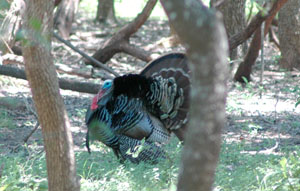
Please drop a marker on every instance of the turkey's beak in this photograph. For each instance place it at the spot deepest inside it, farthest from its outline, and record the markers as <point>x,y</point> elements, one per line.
<point>100,94</point>
<point>104,96</point>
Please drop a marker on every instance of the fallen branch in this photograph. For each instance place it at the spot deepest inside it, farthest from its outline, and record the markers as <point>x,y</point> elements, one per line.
<point>65,84</point>
<point>14,59</point>
<point>120,41</point>
<point>93,60</point>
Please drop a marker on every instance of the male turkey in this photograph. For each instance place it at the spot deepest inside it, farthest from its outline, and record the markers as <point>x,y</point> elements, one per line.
<point>142,109</point>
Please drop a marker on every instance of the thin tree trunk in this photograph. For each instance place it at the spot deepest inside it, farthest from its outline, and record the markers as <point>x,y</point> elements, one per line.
<point>207,51</point>
<point>289,35</point>
<point>64,17</point>
<point>41,74</point>
<point>234,19</point>
<point>11,25</point>
<point>106,12</point>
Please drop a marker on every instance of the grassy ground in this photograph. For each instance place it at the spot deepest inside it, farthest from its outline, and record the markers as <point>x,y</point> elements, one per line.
<point>261,140</point>
<point>24,169</point>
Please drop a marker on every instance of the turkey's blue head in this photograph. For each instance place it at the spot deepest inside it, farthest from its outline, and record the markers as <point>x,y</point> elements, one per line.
<point>103,95</point>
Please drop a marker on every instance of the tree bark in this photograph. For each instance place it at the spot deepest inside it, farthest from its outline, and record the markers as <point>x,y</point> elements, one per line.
<point>106,12</point>
<point>41,74</point>
<point>64,17</point>
<point>289,35</point>
<point>234,19</point>
<point>207,51</point>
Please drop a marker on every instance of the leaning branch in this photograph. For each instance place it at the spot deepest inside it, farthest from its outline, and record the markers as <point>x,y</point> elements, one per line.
<point>96,62</point>
<point>257,20</point>
<point>241,37</point>
<point>65,84</point>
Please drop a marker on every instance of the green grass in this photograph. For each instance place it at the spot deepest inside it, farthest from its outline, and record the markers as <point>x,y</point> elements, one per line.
<point>237,170</point>
<point>5,120</point>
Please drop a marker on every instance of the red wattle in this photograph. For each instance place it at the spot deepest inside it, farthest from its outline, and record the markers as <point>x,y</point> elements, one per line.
<point>94,105</point>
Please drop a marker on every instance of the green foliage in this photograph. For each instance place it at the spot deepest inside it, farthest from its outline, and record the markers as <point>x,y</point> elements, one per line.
<point>24,171</point>
<point>35,24</point>
<point>4,5</point>
<point>241,171</point>
<point>102,171</point>
<point>283,175</point>
<point>298,102</point>
<point>248,90</point>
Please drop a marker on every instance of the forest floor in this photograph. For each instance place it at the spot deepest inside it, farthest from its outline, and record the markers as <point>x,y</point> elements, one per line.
<point>257,126</point>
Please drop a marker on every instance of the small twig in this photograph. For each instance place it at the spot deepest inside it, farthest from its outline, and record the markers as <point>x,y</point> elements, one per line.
<point>277,100</point>
<point>7,46</point>
<point>32,131</point>
<point>262,59</point>
<point>262,118</point>
<point>29,108</point>
<point>85,55</point>
<point>270,150</point>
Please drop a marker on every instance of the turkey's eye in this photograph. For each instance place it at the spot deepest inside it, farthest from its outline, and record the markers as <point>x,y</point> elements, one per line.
<point>107,84</point>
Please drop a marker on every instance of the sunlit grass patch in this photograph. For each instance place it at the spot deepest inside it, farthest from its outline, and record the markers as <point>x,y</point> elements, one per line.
<point>240,170</point>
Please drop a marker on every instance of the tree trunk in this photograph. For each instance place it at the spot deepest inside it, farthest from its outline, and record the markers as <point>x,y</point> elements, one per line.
<point>289,35</point>
<point>41,74</point>
<point>64,17</point>
<point>106,12</point>
<point>207,51</point>
<point>234,19</point>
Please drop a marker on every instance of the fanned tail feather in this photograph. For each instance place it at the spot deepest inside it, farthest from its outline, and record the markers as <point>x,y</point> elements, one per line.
<point>174,65</point>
